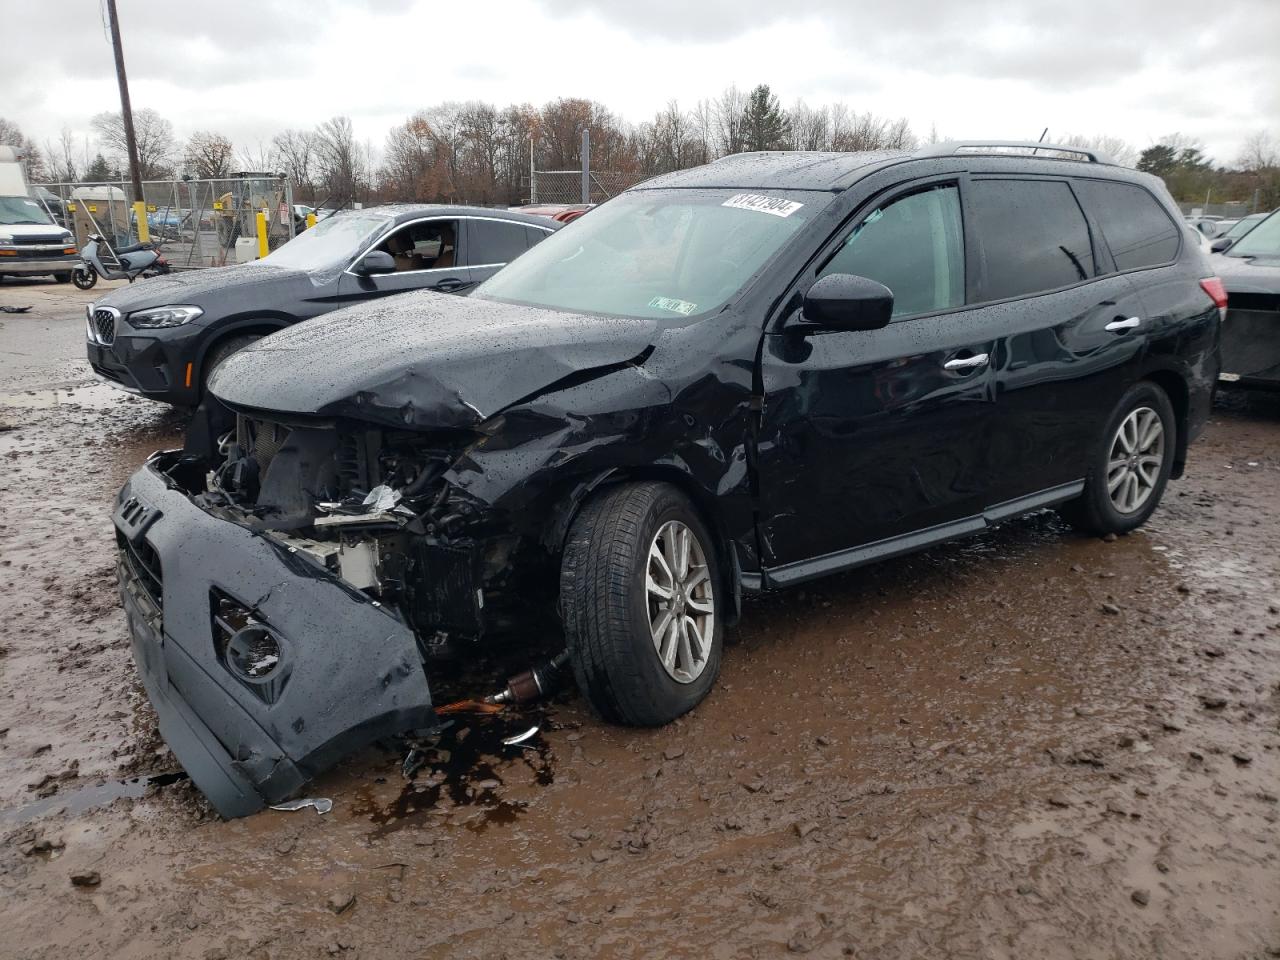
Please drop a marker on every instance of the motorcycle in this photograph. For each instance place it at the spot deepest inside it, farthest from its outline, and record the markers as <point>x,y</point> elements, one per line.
<point>131,262</point>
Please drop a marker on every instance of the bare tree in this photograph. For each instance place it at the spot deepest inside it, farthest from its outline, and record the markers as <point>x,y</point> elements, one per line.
<point>810,128</point>
<point>728,110</point>
<point>1259,153</point>
<point>1121,151</point>
<point>340,162</point>
<point>294,152</point>
<point>154,135</point>
<point>208,155</point>
<point>61,157</point>
<point>12,136</point>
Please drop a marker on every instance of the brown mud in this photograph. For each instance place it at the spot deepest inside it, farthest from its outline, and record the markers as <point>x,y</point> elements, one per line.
<point>961,753</point>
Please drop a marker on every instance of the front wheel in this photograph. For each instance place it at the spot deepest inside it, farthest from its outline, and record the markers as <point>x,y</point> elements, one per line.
<point>84,277</point>
<point>642,603</point>
<point>1130,465</point>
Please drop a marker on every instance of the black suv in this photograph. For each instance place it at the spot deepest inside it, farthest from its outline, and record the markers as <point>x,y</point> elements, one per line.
<point>162,338</point>
<point>729,379</point>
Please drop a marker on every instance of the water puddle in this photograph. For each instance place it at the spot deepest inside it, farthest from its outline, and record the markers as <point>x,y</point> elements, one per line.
<point>96,396</point>
<point>465,766</point>
<point>87,798</point>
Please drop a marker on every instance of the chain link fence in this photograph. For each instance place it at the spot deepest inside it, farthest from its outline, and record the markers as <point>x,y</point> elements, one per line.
<point>197,223</point>
<point>565,186</point>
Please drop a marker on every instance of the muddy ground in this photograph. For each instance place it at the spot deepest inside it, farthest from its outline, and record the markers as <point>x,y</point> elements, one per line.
<point>1030,744</point>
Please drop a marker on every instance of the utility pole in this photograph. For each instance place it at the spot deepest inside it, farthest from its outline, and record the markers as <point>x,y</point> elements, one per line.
<point>126,117</point>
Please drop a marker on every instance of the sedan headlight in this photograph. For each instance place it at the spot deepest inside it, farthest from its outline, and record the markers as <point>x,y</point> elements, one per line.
<point>163,317</point>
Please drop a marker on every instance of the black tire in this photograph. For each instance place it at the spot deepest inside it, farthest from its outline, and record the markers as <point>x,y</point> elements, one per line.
<point>1094,511</point>
<point>214,358</point>
<point>63,277</point>
<point>605,606</point>
<point>84,277</point>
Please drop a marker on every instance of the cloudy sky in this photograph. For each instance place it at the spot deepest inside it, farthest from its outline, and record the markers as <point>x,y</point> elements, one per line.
<point>1136,69</point>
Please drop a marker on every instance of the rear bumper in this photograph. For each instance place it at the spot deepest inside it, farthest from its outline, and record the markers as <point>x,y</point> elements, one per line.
<point>347,672</point>
<point>1251,347</point>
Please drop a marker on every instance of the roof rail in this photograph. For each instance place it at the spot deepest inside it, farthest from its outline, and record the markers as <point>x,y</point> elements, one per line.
<point>1002,147</point>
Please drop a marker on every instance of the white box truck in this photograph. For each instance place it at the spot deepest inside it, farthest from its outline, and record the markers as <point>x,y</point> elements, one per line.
<point>31,244</point>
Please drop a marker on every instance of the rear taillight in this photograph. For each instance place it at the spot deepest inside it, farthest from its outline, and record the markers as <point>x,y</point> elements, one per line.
<point>1217,293</point>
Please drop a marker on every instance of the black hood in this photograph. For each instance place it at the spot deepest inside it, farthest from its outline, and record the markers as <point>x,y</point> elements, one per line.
<point>425,360</point>
<point>194,286</point>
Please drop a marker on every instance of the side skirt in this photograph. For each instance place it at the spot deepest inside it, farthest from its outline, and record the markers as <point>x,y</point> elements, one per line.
<point>802,570</point>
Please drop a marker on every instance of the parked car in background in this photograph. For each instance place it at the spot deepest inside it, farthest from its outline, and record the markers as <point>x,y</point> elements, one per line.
<point>1250,271</point>
<point>163,337</point>
<point>1206,224</point>
<point>1239,228</point>
<point>31,244</point>
<point>730,379</point>
<point>560,212</point>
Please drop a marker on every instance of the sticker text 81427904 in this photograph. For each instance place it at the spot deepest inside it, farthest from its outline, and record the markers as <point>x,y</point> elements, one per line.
<point>773,206</point>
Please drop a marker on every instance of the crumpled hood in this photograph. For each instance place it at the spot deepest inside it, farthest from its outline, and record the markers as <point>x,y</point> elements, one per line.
<point>1247,274</point>
<point>194,286</point>
<point>424,360</point>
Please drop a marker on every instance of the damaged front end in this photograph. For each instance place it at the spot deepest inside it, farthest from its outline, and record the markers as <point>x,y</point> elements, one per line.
<point>283,600</point>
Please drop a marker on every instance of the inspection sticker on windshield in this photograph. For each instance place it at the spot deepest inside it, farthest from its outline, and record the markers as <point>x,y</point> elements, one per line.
<point>770,205</point>
<point>682,307</point>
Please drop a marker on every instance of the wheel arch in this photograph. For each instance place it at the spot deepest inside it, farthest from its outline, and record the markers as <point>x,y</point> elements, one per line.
<point>1174,383</point>
<point>262,325</point>
<point>568,505</point>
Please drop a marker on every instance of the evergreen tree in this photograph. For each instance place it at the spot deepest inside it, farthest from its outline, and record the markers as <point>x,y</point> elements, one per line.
<point>764,125</point>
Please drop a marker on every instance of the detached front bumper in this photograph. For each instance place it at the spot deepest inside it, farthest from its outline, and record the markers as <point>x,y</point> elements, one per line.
<point>263,670</point>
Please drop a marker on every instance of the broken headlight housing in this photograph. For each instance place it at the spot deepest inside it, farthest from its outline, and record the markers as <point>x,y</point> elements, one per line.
<point>158,317</point>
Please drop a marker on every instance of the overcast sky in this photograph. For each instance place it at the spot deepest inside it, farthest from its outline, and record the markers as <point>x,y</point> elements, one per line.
<point>1136,69</point>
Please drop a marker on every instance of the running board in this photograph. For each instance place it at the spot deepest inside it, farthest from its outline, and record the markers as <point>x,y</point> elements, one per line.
<point>792,573</point>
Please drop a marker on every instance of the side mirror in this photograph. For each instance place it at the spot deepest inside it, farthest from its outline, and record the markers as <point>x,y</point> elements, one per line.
<point>374,262</point>
<point>843,301</point>
<point>1221,245</point>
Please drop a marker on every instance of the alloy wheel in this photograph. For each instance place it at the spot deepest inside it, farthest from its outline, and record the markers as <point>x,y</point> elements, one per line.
<point>681,601</point>
<point>1136,459</point>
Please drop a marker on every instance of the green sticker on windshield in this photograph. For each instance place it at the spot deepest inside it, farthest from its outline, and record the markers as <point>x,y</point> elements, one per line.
<point>682,307</point>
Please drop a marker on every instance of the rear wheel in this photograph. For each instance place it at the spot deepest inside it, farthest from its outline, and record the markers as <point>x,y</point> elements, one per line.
<point>1130,465</point>
<point>641,601</point>
<point>63,277</point>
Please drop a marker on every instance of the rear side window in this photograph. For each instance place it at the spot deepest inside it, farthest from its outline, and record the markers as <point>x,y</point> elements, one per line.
<point>914,245</point>
<point>1136,227</point>
<point>535,235</point>
<point>496,241</point>
<point>1034,236</point>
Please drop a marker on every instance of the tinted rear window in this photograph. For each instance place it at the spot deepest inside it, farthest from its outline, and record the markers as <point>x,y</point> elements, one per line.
<point>1034,237</point>
<point>1136,227</point>
<point>496,241</point>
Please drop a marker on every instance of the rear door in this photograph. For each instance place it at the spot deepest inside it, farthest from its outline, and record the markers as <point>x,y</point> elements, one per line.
<point>494,242</point>
<point>1071,333</point>
<point>868,438</point>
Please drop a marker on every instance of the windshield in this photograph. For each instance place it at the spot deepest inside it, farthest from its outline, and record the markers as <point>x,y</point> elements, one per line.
<point>657,253</point>
<point>1241,227</point>
<point>332,241</point>
<point>16,210</point>
<point>1262,241</point>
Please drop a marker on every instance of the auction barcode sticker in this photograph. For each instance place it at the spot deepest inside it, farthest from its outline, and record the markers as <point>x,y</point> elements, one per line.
<point>770,205</point>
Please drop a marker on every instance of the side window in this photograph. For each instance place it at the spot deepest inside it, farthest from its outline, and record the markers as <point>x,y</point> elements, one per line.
<point>1034,236</point>
<point>914,245</point>
<point>535,235</point>
<point>496,241</point>
<point>430,245</point>
<point>1137,229</point>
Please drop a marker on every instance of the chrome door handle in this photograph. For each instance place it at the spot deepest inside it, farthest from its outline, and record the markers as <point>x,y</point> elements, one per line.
<point>1115,326</point>
<point>967,363</point>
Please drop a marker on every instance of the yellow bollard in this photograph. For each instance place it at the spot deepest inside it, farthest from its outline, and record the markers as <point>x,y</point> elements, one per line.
<point>263,250</point>
<point>140,217</point>
<point>311,220</point>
